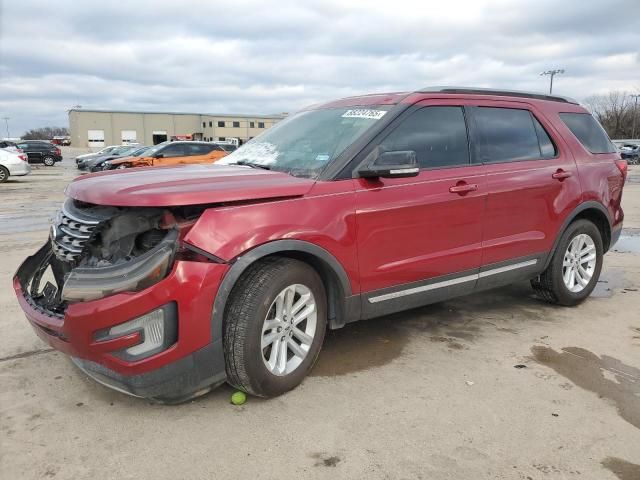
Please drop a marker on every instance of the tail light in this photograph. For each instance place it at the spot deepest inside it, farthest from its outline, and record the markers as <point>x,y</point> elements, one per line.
<point>22,157</point>
<point>622,166</point>
<point>58,152</point>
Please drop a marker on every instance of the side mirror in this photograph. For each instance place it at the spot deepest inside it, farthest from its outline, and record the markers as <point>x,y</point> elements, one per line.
<point>398,164</point>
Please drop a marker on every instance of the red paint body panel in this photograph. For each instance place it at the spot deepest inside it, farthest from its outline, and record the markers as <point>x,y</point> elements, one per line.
<point>184,185</point>
<point>412,229</point>
<point>325,217</point>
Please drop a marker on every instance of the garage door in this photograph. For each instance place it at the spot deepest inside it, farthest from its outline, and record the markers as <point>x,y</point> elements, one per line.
<point>129,136</point>
<point>95,138</point>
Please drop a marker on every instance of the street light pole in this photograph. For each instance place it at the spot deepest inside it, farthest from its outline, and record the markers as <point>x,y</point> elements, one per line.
<point>552,73</point>
<point>635,114</point>
<point>6,121</point>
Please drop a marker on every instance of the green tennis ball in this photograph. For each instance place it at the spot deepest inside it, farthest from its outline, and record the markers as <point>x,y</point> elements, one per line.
<point>238,398</point>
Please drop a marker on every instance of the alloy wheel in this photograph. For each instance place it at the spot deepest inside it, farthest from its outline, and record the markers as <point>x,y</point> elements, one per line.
<point>579,263</point>
<point>289,329</point>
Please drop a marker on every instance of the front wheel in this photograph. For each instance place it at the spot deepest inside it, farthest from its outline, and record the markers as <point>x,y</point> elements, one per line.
<point>274,326</point>
<point>575,266</point>
<point>4,174</point>
<point>49,161</point>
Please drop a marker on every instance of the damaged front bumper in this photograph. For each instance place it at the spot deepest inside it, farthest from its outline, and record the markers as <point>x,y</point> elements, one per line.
<point>95,335</point>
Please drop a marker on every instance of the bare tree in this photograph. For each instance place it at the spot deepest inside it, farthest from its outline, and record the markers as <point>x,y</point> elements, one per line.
<point>616,111</point>
<point>46,133</point>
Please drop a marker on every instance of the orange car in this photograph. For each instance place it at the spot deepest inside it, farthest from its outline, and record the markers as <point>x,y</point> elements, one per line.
<point>171,153</point>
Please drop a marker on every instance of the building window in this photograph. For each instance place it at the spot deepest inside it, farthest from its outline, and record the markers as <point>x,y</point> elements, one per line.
<point>252,124</point>
<point>236,124</point>
<point>221,123</point>
<point>204,124</point>
<point>210,124</point>
<point>260,124</point>
<point>222,139</point>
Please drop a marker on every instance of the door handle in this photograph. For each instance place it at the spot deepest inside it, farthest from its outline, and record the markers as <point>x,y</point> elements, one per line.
<point>462,188</point>
<point>561,174</point>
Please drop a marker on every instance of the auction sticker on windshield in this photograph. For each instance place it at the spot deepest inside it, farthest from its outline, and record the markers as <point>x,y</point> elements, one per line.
<point>364,113</point>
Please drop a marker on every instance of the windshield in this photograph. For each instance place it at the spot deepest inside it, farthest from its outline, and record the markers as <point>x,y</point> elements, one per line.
<point>305,143</point>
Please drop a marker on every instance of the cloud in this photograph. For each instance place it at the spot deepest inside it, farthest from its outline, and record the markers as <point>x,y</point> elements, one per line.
<point>252,56</point>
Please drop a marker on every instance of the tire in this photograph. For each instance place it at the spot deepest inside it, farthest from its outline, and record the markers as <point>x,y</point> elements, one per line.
<point>49,161</point>
<point>551,285</point>
<point>4,174</point>
<point>251,302</point>
<point>122,166</point>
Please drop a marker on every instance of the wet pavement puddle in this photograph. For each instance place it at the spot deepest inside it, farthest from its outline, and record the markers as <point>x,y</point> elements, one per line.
<point>605,376</point>
<point>611,279</point>
<point>629,241</point>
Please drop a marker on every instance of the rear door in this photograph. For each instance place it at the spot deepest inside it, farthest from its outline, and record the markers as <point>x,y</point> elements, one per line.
<point>532,184</point>
<point>419,238</point>
<point>33,153</point>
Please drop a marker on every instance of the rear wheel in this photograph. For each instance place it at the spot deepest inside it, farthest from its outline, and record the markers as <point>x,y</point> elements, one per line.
<point>49,161</point>
<point>575,267</point>
<point>274,326</point>
<point>122,166</point>
<point>4,174</point>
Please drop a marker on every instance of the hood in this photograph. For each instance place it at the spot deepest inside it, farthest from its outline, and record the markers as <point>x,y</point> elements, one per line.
<point>184,185</point>
<point>87,155</point>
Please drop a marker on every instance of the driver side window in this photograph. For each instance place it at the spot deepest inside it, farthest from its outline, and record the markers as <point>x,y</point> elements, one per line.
<point>175,150</point>
<point>438,136</point>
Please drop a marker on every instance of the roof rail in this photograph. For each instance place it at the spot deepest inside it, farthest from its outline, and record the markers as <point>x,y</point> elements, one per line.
<point>504,93</point>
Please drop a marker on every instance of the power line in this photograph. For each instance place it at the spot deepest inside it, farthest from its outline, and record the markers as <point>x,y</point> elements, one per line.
<point>552,73</point>
<point>635,114</point>
<point>6,121</point>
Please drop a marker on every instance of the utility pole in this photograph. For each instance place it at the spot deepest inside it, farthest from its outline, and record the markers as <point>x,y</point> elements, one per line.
<point>635,114</point>
<point>552,73</point>
<point>6,121</point>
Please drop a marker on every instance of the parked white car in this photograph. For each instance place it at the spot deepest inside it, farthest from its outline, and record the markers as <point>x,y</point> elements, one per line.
<point>13,163</point>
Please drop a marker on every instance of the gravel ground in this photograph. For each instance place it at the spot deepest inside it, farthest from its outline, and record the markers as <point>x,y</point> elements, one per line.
<point>490,386</point>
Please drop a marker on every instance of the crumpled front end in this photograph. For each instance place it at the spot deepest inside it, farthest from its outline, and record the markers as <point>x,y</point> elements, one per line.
<point>116,289</point>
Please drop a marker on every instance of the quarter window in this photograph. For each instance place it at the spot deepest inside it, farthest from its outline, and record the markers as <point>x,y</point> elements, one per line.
<point>506,134</point>
<point>438,136</point>
<point>589,132</point>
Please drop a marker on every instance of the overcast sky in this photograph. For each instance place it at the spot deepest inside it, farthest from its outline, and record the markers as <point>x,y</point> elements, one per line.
<point>245,56</point>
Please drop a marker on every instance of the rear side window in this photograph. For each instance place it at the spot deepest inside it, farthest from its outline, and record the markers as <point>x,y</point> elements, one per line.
<point>589,132</point>
<point>509,134</point>
<point>438,135</point>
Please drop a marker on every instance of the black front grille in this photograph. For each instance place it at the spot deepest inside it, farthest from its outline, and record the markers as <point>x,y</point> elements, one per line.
<point>71,231</point>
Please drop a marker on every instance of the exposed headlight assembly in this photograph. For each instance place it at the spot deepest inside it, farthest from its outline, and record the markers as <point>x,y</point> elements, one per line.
<point>84,284</point>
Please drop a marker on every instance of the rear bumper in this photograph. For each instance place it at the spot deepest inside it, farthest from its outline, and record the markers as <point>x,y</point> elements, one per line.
<point>192,364</point>
<point>19,169</point>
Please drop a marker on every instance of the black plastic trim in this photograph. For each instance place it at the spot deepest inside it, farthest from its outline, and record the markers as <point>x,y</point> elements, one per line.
<point>176,382</point>
<point>591,204</point>
<point>348,311</point>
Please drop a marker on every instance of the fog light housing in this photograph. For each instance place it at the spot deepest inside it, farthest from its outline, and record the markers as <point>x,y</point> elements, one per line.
<point>158,331</point>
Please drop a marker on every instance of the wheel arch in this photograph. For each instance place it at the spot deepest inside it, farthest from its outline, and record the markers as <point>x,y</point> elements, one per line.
<point>593,211</point>
<point>342,305</point>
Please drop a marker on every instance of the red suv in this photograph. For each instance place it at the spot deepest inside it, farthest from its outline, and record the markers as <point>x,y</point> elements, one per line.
<point>164,283</point>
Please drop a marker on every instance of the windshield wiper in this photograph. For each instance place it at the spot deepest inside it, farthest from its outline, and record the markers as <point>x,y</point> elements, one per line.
<point>245,163</point>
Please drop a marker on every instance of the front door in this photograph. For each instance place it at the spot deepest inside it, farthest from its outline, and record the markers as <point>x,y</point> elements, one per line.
<point>419,238</point>
<point>532,184</point>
